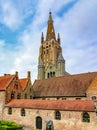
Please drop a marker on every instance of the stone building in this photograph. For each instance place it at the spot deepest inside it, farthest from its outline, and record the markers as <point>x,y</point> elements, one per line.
<point>11,86</point>
<point>68,102</point>
<point>50,62</point>
<point>65,114</point>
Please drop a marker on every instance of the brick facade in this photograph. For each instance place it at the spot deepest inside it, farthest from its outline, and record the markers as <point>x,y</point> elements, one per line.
<point>69,119</point>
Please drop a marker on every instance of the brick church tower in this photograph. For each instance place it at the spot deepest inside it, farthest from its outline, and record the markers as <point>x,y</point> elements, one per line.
<point>50,62</point>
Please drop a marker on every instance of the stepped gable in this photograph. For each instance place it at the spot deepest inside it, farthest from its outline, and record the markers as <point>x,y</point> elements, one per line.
<point>72,105</point>
<point>5,81</point>
<point>71,85</point>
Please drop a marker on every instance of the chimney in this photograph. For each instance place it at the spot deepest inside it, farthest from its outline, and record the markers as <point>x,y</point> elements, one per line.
<point>29,75</point>
<point>6,74</point>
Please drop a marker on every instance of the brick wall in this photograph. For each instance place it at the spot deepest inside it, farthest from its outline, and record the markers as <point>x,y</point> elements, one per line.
<point>70,120</point>
<point>2,103</point>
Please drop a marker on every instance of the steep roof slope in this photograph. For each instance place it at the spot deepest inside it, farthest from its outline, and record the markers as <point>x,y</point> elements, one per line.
<point>5,80</point>
<point>93,87</point>
<point>23,83</point>
<point>75,105</point>
<point>71,85</point>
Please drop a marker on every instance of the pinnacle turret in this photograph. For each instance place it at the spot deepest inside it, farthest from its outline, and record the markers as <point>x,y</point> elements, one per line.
<point>58,39</point>
<point>42,38</point>
<point>60,58</point>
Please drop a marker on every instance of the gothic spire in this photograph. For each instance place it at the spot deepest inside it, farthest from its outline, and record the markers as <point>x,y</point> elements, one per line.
<point>50,29</point>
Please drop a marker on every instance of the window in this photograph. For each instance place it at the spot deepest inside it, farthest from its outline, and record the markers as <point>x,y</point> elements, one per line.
<point>9,110</point>
<point>16,85</point>
<point>47,52</point>
<point>96,114</point>
<point>31,97</point>
<point>53,74</point>
<point>85,117</point>
<point>18,96</point>
<point>57,115</point>
<point>93,97</point>
<point>78,98</point>
<point>12,95</point>
<point>22,112</point>
<point>48,75</point>
<point>64,98</point>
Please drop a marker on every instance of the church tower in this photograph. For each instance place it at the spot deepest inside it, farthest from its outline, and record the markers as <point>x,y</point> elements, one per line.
<point>50,62</point>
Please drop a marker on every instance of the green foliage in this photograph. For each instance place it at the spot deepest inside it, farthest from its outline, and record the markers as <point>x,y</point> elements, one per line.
<point>9,125</point>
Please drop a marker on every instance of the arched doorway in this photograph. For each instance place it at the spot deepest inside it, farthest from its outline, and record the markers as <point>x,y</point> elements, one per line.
<point>38,122</point>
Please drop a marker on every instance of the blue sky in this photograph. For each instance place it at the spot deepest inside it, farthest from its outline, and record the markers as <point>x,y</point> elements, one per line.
<point>21,24</point>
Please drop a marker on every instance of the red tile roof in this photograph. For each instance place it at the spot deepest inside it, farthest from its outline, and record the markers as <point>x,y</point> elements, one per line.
<point>70,105</point>
<point>5,80</point>
<point>72,85</point>
<point>23,83</point>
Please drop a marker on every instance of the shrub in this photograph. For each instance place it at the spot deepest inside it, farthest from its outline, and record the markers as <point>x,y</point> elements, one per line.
<point>9,125</point>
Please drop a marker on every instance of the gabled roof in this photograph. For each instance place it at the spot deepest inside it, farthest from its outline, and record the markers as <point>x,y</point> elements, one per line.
<point>5,81</point>
<point>23,83</point>
<point>67,105</point>
<point>93,87</point>
<point>71,85</point>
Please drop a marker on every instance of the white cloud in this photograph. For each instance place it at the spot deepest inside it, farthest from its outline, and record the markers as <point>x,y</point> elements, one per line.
<point>10,15</point>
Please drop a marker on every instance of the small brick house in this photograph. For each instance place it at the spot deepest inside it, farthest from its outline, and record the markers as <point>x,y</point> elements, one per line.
<point>27,87</point>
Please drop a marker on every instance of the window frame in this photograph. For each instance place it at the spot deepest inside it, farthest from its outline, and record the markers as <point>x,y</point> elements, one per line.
<point>57,115</point>
<point>10,111</point>
<point>85,117</point>
<point>23,113</point>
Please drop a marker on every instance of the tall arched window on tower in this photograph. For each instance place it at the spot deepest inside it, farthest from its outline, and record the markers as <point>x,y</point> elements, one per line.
<point>53,74</point>
<point>57,115</point>
<point>48,75</point>
<point>85,117</point>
